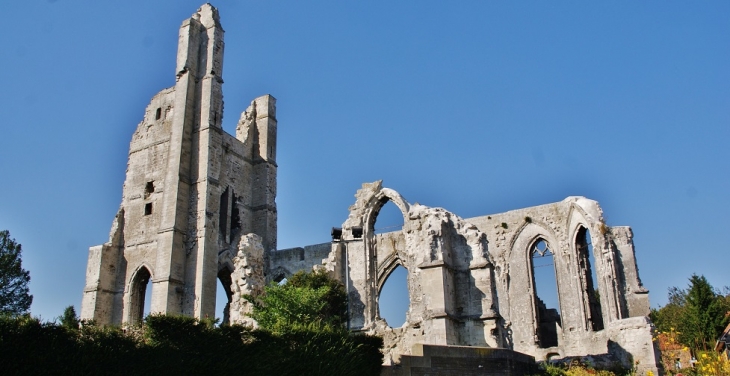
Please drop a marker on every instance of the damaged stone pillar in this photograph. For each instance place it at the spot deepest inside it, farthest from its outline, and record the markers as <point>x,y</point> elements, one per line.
<point>264,173</point>
<point>99,294</point>
<point>247,278</point>
<point>358,282</point>
<point>438,280</point>
<point>635,294</point>
<point>490,331</point>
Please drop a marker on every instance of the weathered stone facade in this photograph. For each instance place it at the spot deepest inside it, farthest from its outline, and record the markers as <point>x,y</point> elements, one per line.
<point>198,206</point>
<point>191,192</point>
<point>471,281</point>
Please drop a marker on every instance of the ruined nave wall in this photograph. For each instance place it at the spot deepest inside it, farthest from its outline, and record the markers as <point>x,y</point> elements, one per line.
<point>471,281</point>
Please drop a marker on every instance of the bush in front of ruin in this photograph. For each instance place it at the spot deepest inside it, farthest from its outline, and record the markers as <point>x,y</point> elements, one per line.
<point>181,345</point>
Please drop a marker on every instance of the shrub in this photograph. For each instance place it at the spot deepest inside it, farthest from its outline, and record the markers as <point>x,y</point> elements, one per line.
<point>183,345</point>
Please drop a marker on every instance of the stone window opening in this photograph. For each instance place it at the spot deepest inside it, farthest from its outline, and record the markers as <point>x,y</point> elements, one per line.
<point>547,297</point>
<point>388,218</point>
<point>589,279</point>
<point>223,213</point>
<point>224,296</point>
<point>280,279</point>
<point>394,298</point>
<point>149,188</point>
<point>158,113</point>
<point>148,208</point>
<point>235,215</point>
<point>139,291</point>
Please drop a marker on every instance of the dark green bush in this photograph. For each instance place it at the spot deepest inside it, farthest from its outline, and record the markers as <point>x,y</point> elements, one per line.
<point>182,346</point>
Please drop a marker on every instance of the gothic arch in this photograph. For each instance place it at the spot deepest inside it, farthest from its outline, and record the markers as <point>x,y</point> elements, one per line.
<point>226,280</point>
<point>523,306</point>
<point>137,288</point>
<point>280,273</point>
<point>359,235</point>
<point>604,256</point>
<point>386,268</point>
<point>588,290</point>
<point>547,319</point>
<point>531,231</point>
<point>225,260</point>
<point>377,202</point>
<point>383,277</point>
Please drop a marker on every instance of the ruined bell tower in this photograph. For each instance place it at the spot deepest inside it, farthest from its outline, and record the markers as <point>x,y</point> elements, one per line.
<point>191,191</point>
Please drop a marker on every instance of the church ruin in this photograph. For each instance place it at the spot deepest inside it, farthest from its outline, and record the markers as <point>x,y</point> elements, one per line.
<point>191,189</point>
<point>198,207</point>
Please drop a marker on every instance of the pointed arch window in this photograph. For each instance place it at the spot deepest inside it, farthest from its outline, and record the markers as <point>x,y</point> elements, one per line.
<point>387,218</point>
<point>224,296</point>
<point>394,298</point>
<point>545,286</point>
<point>589,279</point>
<point>139,292</point>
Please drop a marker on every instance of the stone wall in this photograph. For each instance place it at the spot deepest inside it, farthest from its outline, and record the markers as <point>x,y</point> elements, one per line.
<point>286,262</point>
<point>191,192</point>
<point>462,361</point>
<point>198,206</point>
<point>471,281</point>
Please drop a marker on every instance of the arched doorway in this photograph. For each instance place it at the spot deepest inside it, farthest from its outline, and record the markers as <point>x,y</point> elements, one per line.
<point>224,296</point>
<point>138,295</point>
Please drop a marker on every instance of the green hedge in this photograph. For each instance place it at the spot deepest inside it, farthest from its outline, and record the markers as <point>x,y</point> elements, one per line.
<point>182,346</point>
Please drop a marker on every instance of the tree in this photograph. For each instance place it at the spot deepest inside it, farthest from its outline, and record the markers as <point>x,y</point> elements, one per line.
<point>69,320</point>
<point>307,300</point>
<point>704,317</point>
<point>14,293</point>
<point>335,308</point>
<point>698,314</point>
<point>668,318</point>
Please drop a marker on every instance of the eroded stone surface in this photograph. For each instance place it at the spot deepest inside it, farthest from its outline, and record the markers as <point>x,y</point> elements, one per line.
<point>198,206</point>
<point>471,281</point>
<point>247,278</point>
<point>191,191</point>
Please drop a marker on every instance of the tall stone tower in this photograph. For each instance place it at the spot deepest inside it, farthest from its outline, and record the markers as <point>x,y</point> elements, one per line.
<point>191,191</point>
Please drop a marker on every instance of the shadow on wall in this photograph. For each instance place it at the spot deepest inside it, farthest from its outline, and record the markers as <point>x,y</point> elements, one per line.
<point>617,360</point>
<point>621,274</point>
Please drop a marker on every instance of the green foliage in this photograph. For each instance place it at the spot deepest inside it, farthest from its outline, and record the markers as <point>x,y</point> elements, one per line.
<point>698,314</point>
<point>669,317</point>
<point>302,334</point>
<point>704,317</point>
<point>36,347</point>
<point>547,369</point>
<point>69,320</point>
<point>185,345</point>
<point>182,345</point>
<point>285,307</point>
<point>311,301</point>
<point>15,298</point>
<point>335,309</point>
<point>323,352</point>
<point>552,370</point>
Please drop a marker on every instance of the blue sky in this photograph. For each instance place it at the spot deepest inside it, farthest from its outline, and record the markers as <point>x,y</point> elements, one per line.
<point>478,107</point>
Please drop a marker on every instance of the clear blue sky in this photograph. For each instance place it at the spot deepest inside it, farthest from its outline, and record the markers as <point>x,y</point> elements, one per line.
<point>478,107</point>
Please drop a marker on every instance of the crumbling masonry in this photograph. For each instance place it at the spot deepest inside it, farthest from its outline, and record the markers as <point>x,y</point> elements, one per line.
<point>198,206</point>
<point>191,191</point>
